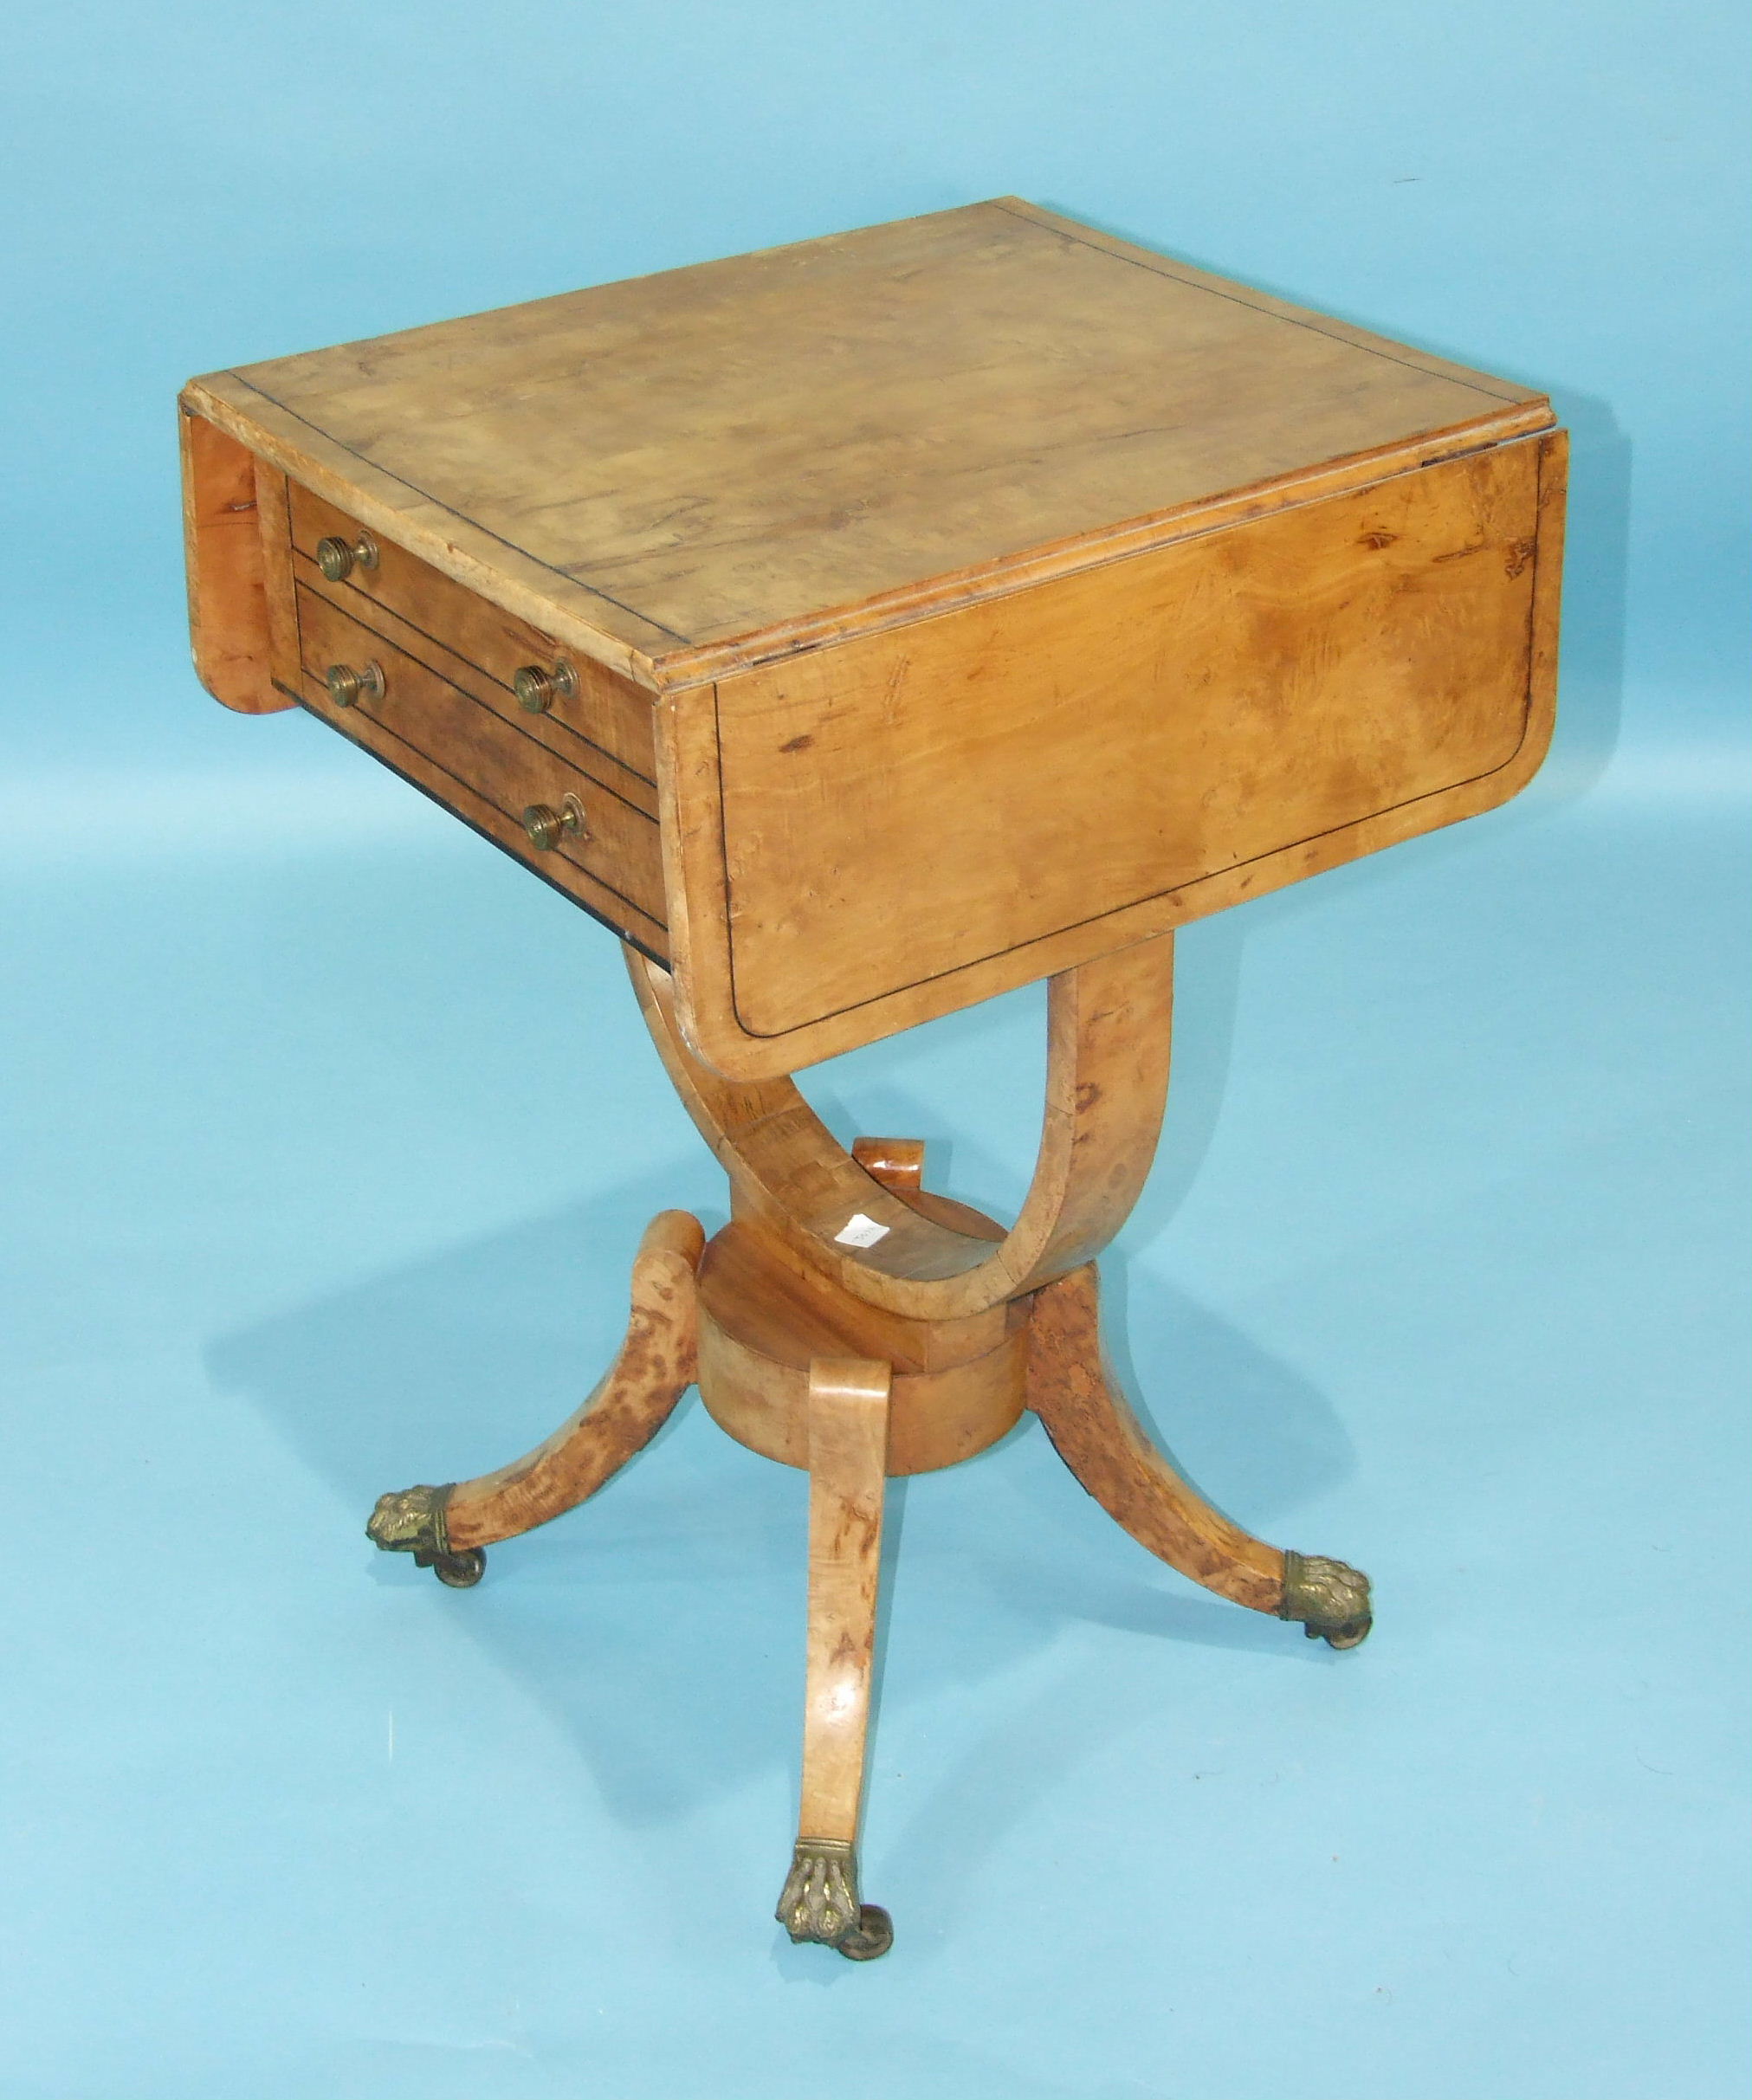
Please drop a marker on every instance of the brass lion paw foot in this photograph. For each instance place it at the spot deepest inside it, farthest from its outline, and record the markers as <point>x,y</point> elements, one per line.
<point>411,1520</point>
<point>1328,1597</point>
<point>820,1902</point>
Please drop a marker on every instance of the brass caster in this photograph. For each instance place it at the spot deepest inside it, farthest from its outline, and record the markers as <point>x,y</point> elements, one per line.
<point>411,1520</point>
<point>871,1938</point>
<point>457,1571</point>
<point>820,1902</point>
<point>1330,1598</point>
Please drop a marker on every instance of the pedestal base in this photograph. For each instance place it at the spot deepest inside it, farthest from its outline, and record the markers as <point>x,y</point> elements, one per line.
<point>956,1385</point>
<point>849,1322</point>
<point>799,1369</point>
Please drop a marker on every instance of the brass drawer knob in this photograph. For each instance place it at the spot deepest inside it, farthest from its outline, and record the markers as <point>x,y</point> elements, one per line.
<point>347,686</point>
<point>537,689</point>
<point>546,826</point>
<point>338,560</point>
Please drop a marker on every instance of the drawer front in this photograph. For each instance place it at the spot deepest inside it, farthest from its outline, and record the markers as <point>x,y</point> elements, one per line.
<point>604,725</point>
<point>487,770</point>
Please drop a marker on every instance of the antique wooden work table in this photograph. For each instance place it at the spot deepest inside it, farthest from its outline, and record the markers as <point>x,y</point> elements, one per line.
<point>859,629</point>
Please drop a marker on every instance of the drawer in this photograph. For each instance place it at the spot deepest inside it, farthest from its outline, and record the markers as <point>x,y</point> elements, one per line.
<point>489,770</point>
<point>604,723</point>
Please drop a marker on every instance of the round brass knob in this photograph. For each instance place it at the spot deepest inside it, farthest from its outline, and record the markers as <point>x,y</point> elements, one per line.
<point>338,560</point>
<point>546,826</point>
<point>347,686</point>
<point>537,689</point>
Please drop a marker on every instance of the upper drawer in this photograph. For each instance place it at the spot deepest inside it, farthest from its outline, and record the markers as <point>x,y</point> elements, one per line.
<point>607,710</point>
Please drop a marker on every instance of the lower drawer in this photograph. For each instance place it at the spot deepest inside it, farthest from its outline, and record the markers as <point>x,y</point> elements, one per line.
<point>589,844</point>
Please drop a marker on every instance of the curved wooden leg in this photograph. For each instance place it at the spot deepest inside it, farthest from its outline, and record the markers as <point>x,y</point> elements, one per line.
<point>1095,1431</point>
<point>445,1528</point>
<point>848,1463</point>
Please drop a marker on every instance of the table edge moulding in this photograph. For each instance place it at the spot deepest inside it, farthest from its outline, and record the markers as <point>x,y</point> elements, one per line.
<point>860,629</point>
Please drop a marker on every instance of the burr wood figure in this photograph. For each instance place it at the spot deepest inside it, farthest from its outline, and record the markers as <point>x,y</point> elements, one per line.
<point>860,630</point>
<point>819,1356</point>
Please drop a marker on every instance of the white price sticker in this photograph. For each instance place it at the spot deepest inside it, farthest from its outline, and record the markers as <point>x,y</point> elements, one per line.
<point>860,1232</point>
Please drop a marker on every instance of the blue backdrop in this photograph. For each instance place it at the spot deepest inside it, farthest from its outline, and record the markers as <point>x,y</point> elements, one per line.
<point>332,1135</point>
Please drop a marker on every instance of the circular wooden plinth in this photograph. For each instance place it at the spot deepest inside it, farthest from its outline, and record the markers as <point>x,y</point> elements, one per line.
<point>764,1314</point>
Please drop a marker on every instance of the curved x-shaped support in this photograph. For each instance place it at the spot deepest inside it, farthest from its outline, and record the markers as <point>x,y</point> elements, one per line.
<point>1108,1031</point>
<point>1109,1028</point>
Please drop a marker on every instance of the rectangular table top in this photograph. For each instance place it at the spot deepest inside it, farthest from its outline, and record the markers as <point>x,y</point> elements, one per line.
<point>921,610</point>
<point>709,467</point>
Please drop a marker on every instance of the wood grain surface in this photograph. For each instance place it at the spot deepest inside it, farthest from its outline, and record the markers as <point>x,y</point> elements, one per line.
<point>625,1410</point>
<point>421,607</point>
<point>956,1384</point>
<point>965,599</point>
<point>486,771</point>
<point>1075,766</point>
<point>847,1456</point>
<point>221,543</point>
<point>695,470</point>
<point>897,1163</point>
<point>1096,1431</point>
<point>274,509</point>
<point>1108,1031</point>
<point>1077,750</point>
